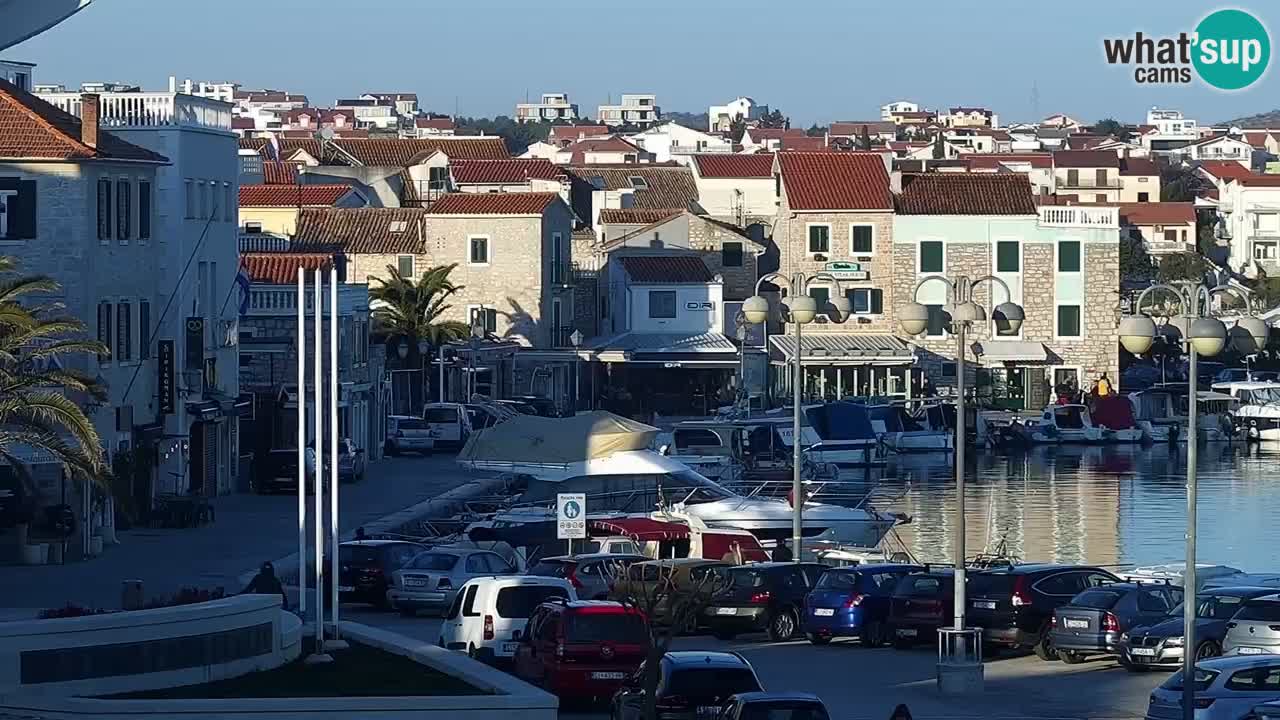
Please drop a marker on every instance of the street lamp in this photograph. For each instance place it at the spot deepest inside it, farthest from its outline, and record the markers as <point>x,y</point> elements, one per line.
<point>803,308</point>
<point>575,339</point>
<point>1204,335</point>
<point>477,335</point>
<point>960,656</point>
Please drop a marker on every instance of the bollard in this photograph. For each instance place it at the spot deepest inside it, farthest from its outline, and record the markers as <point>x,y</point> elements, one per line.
<point>960,670</point>
<point>131,595</point>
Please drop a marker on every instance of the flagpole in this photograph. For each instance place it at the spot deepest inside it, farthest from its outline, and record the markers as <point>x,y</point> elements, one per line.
<point>337,643</point>
<point>302,442</point>
<point>318,654</point>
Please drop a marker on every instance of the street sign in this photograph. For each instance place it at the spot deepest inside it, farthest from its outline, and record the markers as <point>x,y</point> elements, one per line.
<point>846,271</point>
<point>571,516</point>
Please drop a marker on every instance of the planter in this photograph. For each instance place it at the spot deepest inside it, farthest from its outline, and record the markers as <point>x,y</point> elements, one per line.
<point>37,554</point>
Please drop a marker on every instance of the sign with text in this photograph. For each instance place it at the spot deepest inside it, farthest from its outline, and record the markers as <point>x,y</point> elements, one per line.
<point>846,271</point>
<point>700,306</point>
<point>166,369</point>
<point>571,516</point>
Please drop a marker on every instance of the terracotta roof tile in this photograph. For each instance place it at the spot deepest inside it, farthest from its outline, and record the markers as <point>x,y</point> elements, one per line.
<point>666,269</point>
<point>634,216</point>
<point>282,268</point>
<point>378,231</point>
<point>664,187</point>
<point>965,194</point>
<point>1158,213</point>
<point>1255,180</point>
<point>987,161</point>
<point>291,195</point>
<point>729,165</point>
<point>804,143</point>
<point>853,128</point>
<point>275,172</point>
<point>576,132</point>
<point>610,144</point>
<point>1225,169</point>
<point>514,170</point>
<point>386,152</point>
<point>1086,159</point>
<point>434,123</point>
<point>33,128</point>
<point>835,181</point>
<point>522,203</point>
<point>1138,166</point>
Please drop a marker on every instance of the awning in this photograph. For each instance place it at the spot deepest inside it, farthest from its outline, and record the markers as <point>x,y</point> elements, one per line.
<point>1011,351</point>
<point>204,411</point>
<point>639,529</point>
<point>845,349</point>
<point>685,348</point>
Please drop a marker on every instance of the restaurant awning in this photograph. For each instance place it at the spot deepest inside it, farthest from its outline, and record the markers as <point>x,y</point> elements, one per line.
<point>639,529</point>
<point>700,349</point>
<point>1011,351</point>
<point>844,349</point>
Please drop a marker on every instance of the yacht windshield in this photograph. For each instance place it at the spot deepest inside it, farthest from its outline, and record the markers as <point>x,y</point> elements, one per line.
<point>632,492</point>
<point>1260,396</point>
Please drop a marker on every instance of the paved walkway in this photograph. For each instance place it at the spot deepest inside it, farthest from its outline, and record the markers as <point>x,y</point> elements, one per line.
<point>249,530</point>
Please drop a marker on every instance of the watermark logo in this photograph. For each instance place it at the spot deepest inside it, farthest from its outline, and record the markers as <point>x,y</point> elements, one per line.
<point>1228,50</point>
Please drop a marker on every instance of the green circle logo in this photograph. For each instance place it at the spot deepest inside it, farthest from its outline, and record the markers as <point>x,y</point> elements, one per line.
<point>1231,50</point>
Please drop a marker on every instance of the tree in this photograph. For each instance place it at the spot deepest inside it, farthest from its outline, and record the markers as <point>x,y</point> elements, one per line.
<point>939,147</point>
<point>1136,266</point>
<point>408,311</point>
<point>1112,127</point>
<point>816,130</point>
<point>1179,184</point>
<point>865,140</point>
<point>1183,266</point>
<point>773,119</point>
<point>35,409</point>
<point>737,129</point>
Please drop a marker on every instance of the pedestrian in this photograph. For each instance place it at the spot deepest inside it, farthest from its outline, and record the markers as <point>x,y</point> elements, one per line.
<point>360,534</point>
<point>1104,386</point>
<point>900,713</point>
<point>733,555</point>
<point>266,583</point>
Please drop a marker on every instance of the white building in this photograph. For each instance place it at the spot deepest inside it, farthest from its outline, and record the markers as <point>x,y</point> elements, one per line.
<point>1169,131</point>
<point>672,142</point>
<point>17,73</point>
<point>405,104</point>
<point>635,109</point>
<point>1222,147</point>
<point>897,107</point>
<point>737,188</point>
<point>1250,211</point>
<point>220,91</point>
<point>553,106</point>
<point>370,113</point>
<point>720,118</point>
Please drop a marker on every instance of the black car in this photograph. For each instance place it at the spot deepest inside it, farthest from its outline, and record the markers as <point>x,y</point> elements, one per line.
<point>365,567</point>
<point>690,684</point>
<point>1161,642</point>
<point>1014,604</point>
<point>1093,622</point>
<point>921,603</point>
<point>763,596</point>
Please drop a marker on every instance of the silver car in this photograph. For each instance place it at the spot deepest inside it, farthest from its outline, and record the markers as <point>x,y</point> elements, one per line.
<point>1227,688</point>
<point>431,580</point>
<point>1255,628</point>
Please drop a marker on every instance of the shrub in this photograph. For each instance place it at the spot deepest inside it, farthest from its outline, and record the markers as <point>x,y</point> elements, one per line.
<point>185,596</point>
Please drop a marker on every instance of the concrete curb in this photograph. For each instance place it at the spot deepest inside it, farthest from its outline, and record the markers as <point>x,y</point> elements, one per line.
<point>441,506</point>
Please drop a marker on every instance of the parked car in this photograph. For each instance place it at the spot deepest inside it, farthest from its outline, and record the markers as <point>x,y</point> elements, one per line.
<point>545,407</point>
<point>408,434</point>
<point>519,406</point>
<point>1014,604</point>
<point>661,580</point>
<point>1255,628</point>
<point>1093,622</point>
<point>583,648</point>
<point>489,613</point>
<point>1161,643</point>
<point>766,596</point>
<point>920,604</point>
<point>365,568</point>
<point>351,461</point>
<point>774,706</point>
<point>1227,688</point>
<point>277,472</point>
<point>431,580</point>
<point>853,602</point>
<point>449,423</point>
<point>590,574</point>
<point>690,684</point>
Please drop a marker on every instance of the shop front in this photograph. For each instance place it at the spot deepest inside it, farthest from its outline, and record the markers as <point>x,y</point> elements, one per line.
<point>1014,374</point>
<point>674,375</point>
<point>844,365</point>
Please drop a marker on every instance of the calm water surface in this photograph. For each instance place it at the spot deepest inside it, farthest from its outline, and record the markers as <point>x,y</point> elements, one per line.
<point>1103,505</point>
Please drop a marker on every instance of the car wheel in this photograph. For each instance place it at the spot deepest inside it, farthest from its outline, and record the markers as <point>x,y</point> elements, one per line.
<point>782,626</point>
<point>1070,658</point>
<point>872,634</point>
<point>1044,646</point>
<point>817,639</point>
<point>1207,649</point>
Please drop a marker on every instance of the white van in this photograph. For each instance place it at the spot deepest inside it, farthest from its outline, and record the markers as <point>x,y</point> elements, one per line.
<point>408,434</point>
<point>449,423</point>
<point>489,612</point>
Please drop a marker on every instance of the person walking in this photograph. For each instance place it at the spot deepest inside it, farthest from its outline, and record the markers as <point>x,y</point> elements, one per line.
<point>1104,386</point>
<point>266,583</point>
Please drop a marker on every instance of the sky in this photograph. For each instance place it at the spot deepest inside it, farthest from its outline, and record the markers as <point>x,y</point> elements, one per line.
<point>817,61</point>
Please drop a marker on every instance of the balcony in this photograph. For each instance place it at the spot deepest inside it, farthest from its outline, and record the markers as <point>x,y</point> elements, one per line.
<point>561,273</point>
<point>263,242</point>
<point>560,336</point>
<point>1165,247</point>
<point>135,110</point>
<point>1079,216</point>
<point>1088,183</point>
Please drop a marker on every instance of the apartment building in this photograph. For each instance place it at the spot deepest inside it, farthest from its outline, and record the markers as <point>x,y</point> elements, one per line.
<point>638,109</point>
<point>552,107</point>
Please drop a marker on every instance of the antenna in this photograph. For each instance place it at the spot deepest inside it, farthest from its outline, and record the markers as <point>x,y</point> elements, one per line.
<point>1035,102</point>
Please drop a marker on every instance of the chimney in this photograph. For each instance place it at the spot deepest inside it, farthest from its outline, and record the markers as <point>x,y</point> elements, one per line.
<point>89,112</point>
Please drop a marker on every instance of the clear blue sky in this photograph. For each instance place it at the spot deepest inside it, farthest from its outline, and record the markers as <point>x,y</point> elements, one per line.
<point>814,60</point>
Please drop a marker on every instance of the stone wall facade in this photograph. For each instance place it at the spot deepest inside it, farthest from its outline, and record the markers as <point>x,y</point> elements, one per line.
<point>708,238</point>
<point>363,268</point>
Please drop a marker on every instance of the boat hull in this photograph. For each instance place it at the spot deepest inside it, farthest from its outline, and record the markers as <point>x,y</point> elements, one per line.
<point>1086,436</point>
<point>913,442</point>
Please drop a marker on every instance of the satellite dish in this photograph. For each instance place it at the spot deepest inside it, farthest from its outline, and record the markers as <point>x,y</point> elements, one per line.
<point>24,20</point>
<point>326,134</point>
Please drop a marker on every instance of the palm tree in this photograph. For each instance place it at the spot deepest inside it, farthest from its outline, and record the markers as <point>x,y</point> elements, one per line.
<point>34,411</point>
<point>405,311</point>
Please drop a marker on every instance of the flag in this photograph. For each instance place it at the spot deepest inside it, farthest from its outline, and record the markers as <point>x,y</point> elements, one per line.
<point>243,280</point>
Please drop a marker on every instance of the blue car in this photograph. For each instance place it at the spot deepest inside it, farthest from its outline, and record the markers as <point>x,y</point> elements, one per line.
<point>853,602</point>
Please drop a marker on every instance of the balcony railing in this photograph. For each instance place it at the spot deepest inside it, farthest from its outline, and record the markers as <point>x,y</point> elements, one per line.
<point>150,109</point>
<point>263,242</point>
<point>1079,216</point>
<point>561,273</point>
<point>560,336</point>
<point>1159,247</point>
<point>1089,183</point>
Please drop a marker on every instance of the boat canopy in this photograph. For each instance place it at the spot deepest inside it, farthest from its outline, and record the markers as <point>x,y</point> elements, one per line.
<point>895,418</point>
<point>841,421</point>
<point>639,529</point>
<point>533,439</point>
<point>1113,412</point>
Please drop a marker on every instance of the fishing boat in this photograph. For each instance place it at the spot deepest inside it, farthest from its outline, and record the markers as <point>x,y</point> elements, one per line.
<point>900,432</point>
<point>1257,414</point>
<point>1161,412</point>
<point>1072,423</point>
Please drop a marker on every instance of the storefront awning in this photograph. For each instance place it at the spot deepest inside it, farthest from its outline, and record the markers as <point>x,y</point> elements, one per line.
<point>1011,351</point>
<point>844,349</point>
<point>685,348</point>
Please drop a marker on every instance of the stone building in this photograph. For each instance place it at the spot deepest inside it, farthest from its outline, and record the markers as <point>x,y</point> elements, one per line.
<point>724,248</point>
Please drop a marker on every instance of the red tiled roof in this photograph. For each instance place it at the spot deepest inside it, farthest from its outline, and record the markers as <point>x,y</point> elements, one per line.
<point>635,216</point>
<point>835,181</point>
<point>666,269</point>
<point>965,194</point>
<point>522,203</point>
<point>758,134</point>
<point>1255,180</point>
<point>387,152</point>
<point>805,143</point>
<point>576,132</point>
<point>853,128</point>
<point>33,128</point>
<point>434,123</point>
<point>611,144</point>
<point>275,172</point>
<point>514,170</point>
<point>1158,213</point>
<point>291,195</point>
<point>282,268</point>
<point>663,187</point>
<point>242,123</point>
<point>988,161</point>
<point>1138,166</point>
<point>730,165</point>
<point>1257,138</point>
<point>1086,159</point>
<point>1225,169</point>
<point>375,231</point>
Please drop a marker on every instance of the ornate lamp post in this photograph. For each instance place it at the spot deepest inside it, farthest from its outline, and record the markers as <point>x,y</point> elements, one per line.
<point>959,653</point>
<point>803,309</point>
<point>1204,335</point>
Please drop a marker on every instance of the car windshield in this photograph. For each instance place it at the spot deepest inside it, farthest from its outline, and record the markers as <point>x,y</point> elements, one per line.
<point>519,601</point>
<point>1096,599</point>
<point>792,710</point>
<point>703,681</point>
<point>1204,678</point>
<point>1259,611</point>
<point>838,581</point>
<point>358,555</point>
<point>617,627</point>
<point>411,424</point>
<point>440,415</point>
<point>744,577</point>
<point>1212,607</point>
<point>433,561</point>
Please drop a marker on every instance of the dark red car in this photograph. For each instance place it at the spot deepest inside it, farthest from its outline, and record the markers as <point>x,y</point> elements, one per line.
<point>921,603</point>
<point>581,649</point>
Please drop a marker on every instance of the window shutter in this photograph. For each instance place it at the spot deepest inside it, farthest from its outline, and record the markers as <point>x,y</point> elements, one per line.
<point>877,301</point>
<point>144,330</point>
<point>104,330</point>
<point>22,208</point>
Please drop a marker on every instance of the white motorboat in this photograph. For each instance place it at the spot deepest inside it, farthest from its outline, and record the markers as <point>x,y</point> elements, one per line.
<point>1074,424</point>
<point>1257,417</point>
<point>899,432</point>
<point>836,433</point>
<point>1161,412</point>
<point>1207,575</point>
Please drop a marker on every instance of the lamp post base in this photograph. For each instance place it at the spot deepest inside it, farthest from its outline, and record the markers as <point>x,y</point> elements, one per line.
<point>336,644</point>
<point>960,670</point>
<point>318,659</point>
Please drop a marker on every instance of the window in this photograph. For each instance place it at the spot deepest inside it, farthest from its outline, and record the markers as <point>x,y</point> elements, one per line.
<point>1259,679</point>
<point>144,330</point>
<point>191,197</point>
<point>230,203</point>
<point>476,564</point>
<point>1171,235</point>
<point>1068,321</point>
<point>819,239</point>
<point>253,228</point>
<point>937,321</point>
<point>1144,197</point>
<point>124,332</point>
<point>1153,601</point>
<point>104,209</point>
<point>1100,198</point>
<point>488,316</point>
<point>124,210</point>
<point>931,258</point>
<point>662,304</point>
<point>479,254</point>
<point>1008,256</point>
<point>203,199</point>
<point>1069,256</point>
<point>469,604</point>
<point>1062,584</point>
<point>6,202</point>
<point>638,182</point>
<point>144,210</point>
<point>731,254</point>
<point>559,268</point>
<point>404,265</point>
<point>1073,178</point>
<point>104,330</point>
<point>821,296</point>
<point>1101,177</point>
<point>861,239</point>
<point>866,301</point>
